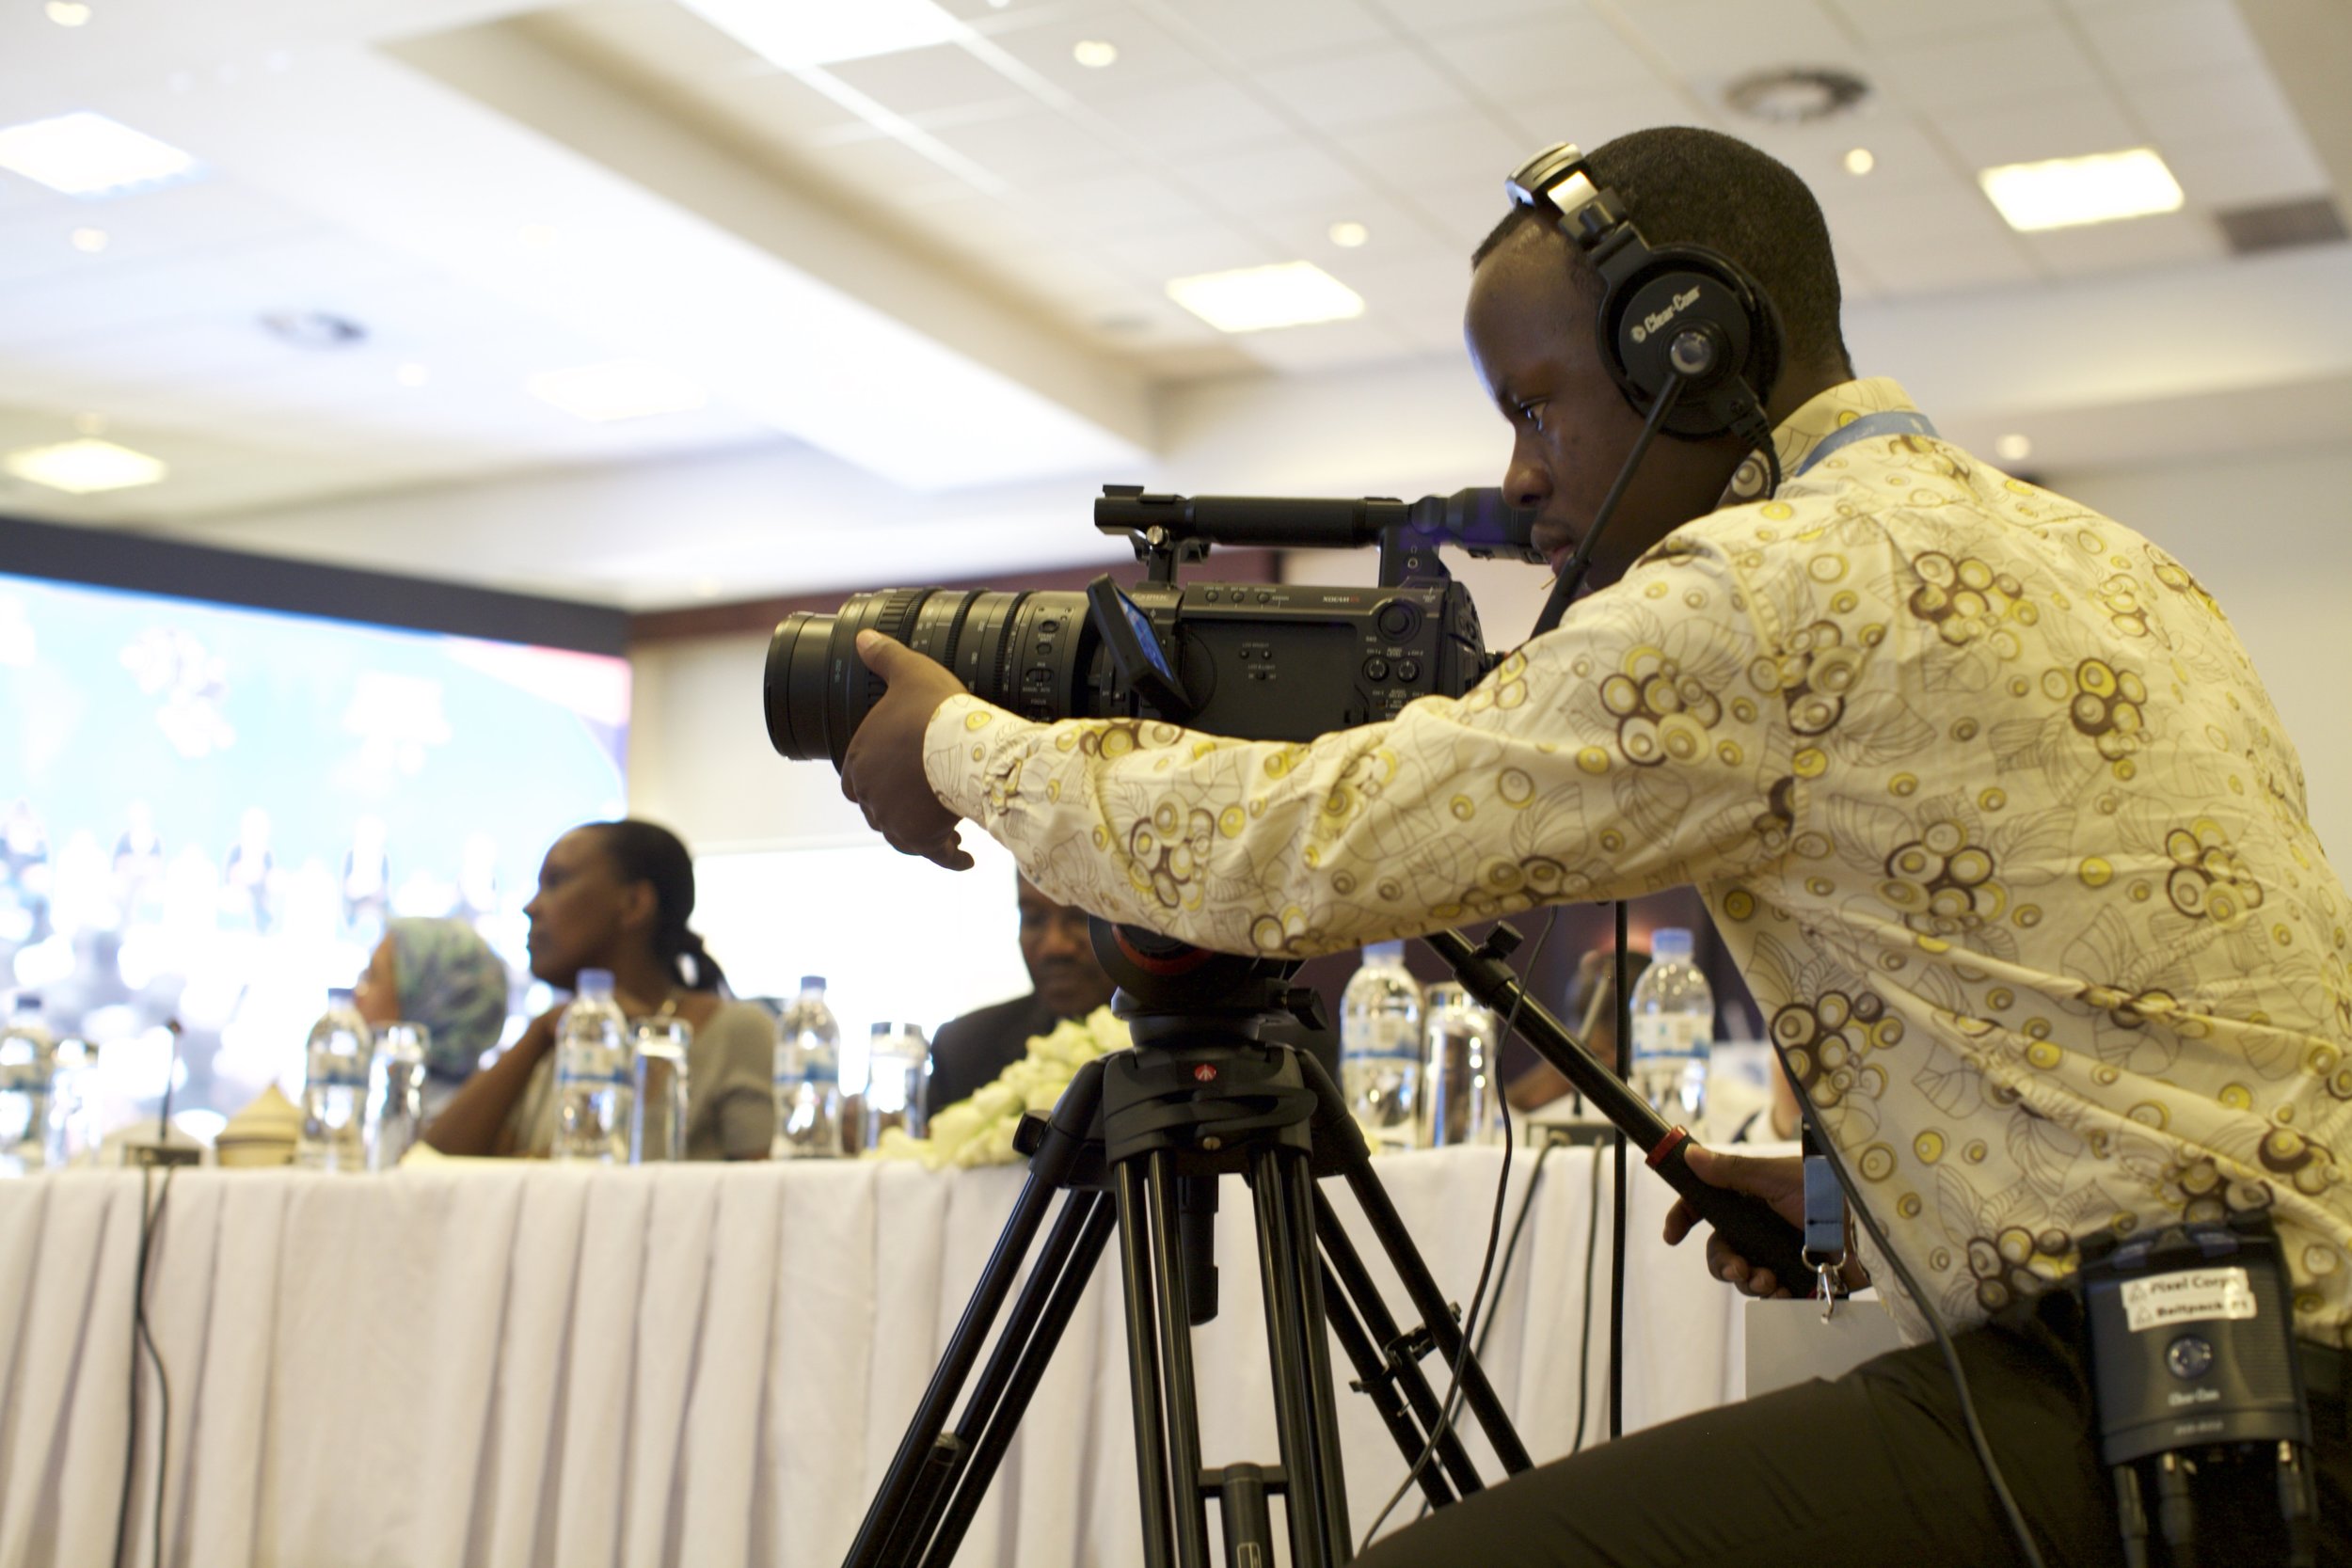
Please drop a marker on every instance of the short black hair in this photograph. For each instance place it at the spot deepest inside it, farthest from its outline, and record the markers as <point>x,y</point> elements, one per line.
<point>1682,185</point>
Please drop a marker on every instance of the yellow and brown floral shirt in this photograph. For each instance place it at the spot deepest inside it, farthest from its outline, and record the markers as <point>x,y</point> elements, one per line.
<point>1980,786</point>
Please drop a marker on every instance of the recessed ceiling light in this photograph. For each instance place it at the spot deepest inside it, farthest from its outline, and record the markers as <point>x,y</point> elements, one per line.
<point>1251,299</point>
<point>2062,192</point>
<point>67,13</point>
<point>617,389</point>
<point>1348,236</point>
<point>82,467</point>
<point>88,154</point>
<point>1860,161</point>
<point>1797,95</point>
<point>89,242</point>
<point>2013,448</point>
<point>809,33</point>
<point>412,374</point>
<point>1094,54</point>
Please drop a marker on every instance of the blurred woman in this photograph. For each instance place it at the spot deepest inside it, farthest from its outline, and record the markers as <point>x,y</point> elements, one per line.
<point>616,895</point>
<point>442,975</point>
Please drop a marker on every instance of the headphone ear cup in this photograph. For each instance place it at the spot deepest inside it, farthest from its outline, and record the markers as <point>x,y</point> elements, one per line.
<point>1680,289</point>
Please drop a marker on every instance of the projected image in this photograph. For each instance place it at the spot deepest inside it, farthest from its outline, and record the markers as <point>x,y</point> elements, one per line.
<point>207,814</point>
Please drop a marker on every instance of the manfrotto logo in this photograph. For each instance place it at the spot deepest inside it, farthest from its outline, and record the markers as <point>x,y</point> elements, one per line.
<point>1656,319</point>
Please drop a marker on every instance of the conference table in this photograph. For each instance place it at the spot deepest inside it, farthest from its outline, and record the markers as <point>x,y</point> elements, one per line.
<point>510,1363</point>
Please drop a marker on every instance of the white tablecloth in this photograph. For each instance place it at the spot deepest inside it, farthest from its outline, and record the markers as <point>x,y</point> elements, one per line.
<point>524,1364</point>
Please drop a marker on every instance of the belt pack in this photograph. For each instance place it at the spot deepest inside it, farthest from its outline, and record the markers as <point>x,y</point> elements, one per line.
<point>2188,1330</point>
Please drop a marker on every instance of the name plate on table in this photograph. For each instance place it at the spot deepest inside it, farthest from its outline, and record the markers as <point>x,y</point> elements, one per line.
<point>1789,1343</point>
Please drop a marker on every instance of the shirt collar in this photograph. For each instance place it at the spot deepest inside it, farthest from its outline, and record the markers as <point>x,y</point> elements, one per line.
<point>1821,416</point>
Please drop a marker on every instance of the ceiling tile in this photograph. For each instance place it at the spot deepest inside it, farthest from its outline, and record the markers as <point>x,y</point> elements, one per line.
<point>1148,55</point>
<point>1032,146</point>
<point>683,42</point>
<point>1459,144</point>
<point>2167,239</point>
<point>1211,116</point>
<point>875,167</point>
<point>2244,171</point>
<point>1254,33</point>
<point>1416,288</point>
<point>1395,231</point>
<point>1905,270</point>
<point>2237,103</point>
<point>1889,22</point>
<point>1463,212</point>
<point>1157,255</point>
<point>2183,37</point>
<point>1534,56</point>
<point>1436,15</point>
<point>1324,346</point>
<point>2028,130</point>
<point>776,108</point>
<point>1589,120</point>
<point>1721,41</point>
<point>1103,204</point>
<point>1961,71</point>
<point>1363,87</point>
<point>911,82</point>
<point>1271,179</point>
<point>1901,152</point>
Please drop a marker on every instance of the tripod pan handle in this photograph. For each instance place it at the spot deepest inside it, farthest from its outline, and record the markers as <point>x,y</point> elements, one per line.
<point>1743,1219</point>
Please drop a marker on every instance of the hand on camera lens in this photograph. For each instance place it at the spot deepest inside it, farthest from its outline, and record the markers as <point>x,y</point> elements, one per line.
<point>884,769</point>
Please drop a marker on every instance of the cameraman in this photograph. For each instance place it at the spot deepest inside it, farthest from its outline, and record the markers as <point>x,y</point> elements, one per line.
<point>1984,798</point>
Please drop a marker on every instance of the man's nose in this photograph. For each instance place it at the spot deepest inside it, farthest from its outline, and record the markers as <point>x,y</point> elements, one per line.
<point>1526,482</point>
<point>1067,938</point>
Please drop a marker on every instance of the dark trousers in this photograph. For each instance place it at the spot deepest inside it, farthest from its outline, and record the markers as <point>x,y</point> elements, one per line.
<point>1873,1468</point>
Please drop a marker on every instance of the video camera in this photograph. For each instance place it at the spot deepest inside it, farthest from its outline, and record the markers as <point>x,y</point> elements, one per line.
<point>1259,662</point>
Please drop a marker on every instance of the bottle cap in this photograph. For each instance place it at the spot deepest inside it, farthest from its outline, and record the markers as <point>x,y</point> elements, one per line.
<point>339,996</point>
<point>812,982</point>
<point>910,1031</point>
<point>594,982</point>
<point>1384,952</point>
<point>1670,944</point>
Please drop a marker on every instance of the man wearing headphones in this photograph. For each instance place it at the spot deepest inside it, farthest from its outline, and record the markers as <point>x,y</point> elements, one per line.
<point>1981,791</point>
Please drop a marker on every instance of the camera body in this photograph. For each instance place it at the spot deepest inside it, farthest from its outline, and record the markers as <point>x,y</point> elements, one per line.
<point>1259,662</point>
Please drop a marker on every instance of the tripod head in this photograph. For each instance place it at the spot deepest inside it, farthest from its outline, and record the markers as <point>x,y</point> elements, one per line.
<point>1172,992</point>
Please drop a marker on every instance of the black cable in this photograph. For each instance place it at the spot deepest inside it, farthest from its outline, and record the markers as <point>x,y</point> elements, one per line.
<point>1617,1196</point>
<point>1571,576</point>
<point>142,1337</point>
<point>1510,1247</point>
<point>1450,1405</point>
<point>1977,1438</point>
<point>1585,1337</point>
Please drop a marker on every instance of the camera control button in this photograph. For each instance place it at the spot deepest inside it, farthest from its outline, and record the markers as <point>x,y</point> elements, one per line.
<point>1408,669</point>
<point>1395,620</point>
<point>1376,669</point>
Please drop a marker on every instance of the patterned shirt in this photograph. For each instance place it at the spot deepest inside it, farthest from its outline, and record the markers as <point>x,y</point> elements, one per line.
<point>1981,788</point>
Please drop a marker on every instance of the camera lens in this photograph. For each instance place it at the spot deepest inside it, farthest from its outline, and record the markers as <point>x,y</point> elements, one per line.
<point>1031,653</point>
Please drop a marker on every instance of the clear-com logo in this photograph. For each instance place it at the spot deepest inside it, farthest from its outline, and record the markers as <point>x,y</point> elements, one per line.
<point>1656,319</point>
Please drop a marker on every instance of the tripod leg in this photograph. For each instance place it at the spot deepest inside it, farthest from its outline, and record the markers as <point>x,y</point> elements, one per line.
<point>1302,1409</point>
<point>886,1516</point>
<point>1372,1377</point>
<point>1431,1304</point>
<point>1143,1368</point>
<point>1393,1360</point>
<point>1307,1264</point>
<point>1009,1381</point>
<point>1160,1203</point>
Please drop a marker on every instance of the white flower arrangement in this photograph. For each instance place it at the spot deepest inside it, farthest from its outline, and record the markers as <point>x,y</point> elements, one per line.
<point>979,1130</point>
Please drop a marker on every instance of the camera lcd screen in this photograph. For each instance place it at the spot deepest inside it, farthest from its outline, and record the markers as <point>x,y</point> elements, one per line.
<point>1150,644</point>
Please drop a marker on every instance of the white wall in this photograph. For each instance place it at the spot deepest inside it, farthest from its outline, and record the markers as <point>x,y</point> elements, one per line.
<point>2270,536</point>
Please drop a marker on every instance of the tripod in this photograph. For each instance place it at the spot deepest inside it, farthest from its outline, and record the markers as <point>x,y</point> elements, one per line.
<point>1137,1143</point>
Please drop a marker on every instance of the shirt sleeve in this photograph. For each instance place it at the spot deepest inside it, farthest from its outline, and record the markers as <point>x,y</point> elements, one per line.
<point>1632,749</point>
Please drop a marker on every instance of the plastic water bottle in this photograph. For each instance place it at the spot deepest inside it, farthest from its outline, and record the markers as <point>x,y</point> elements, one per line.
<point>333,1135</point>
<point>1674,1027</point>
<point>1461,1093</point>
<point>28,1057</point>
<point>1380,1015</point>
<point>897,1071</point>
<point>595,1075</point>
<point>396,1092</point>
<point>808,1077</point>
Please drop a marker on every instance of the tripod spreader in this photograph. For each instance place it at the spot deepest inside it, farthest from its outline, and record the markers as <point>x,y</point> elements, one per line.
<point>1761,1236</point>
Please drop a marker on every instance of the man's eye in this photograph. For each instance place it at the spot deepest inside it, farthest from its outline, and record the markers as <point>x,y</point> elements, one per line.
<point>1530,414</point>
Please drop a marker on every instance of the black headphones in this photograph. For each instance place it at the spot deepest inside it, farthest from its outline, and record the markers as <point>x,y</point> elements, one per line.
<point>1673,309</point>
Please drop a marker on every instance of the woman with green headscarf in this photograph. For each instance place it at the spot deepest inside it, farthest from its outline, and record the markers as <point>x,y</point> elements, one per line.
<point>440,973</point>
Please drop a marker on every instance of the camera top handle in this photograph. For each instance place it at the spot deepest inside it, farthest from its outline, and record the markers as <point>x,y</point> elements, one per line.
<point>1168,530</point>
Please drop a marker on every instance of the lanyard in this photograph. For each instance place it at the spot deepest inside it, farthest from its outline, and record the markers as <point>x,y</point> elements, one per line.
<point>1887,421</point>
